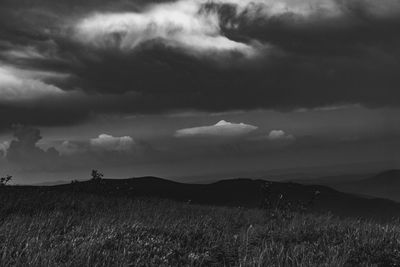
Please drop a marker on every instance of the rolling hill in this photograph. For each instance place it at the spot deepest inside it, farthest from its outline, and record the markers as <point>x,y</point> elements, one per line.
<point>238,192</point>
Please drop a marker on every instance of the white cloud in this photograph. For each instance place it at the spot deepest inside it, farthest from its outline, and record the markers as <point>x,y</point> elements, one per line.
<point>19,85</point>
<point>189,25</point>
<point>3,148</point>
<point>110,143</point>
<point>178,24</point>
<point>222,128</point>
<point>276,135</point>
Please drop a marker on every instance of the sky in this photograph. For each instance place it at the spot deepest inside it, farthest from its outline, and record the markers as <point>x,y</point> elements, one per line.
<point>194,88</point>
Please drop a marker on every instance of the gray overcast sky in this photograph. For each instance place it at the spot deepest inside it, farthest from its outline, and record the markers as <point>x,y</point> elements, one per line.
<point>175,88</point>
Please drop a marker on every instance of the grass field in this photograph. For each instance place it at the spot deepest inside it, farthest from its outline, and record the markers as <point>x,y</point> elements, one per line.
<point>77,229</point>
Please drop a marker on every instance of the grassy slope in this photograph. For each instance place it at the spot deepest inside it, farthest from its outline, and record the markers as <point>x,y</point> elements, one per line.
<point>54,228</point>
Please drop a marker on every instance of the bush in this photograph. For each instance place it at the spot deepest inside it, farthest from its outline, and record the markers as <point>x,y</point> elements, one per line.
<point>96,175</point>
<point>4,180</point>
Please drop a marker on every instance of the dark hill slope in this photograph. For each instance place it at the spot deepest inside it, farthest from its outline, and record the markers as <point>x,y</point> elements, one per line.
<point>235,192</point>
<point>244,193</point>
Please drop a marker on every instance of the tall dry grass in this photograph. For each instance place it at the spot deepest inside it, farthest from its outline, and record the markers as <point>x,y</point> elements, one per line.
<point>67,229</point>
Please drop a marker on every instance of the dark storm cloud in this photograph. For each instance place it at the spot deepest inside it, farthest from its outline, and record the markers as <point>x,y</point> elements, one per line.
<point>23,150</point>
<point>137,57</point>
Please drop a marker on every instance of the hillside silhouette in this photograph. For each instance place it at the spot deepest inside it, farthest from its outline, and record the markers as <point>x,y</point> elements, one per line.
<point>238,193</point>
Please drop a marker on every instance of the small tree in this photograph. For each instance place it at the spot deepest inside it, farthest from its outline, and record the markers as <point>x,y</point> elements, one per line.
<point>96,175</point>
<point>4,180</point>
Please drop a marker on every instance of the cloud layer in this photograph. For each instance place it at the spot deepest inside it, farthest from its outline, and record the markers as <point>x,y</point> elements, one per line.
<point>61,63</point>
<point>179,24</point>
<point>24,152</point>
<point>17,86</point>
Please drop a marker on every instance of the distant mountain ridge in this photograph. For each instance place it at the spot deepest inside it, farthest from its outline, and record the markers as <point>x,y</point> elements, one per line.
<point>384,185</point>
<point>388,177</point>
<point>237,192</point>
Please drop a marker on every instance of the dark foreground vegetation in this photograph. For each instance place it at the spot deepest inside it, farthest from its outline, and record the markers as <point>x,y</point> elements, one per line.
<point>41,227</point>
